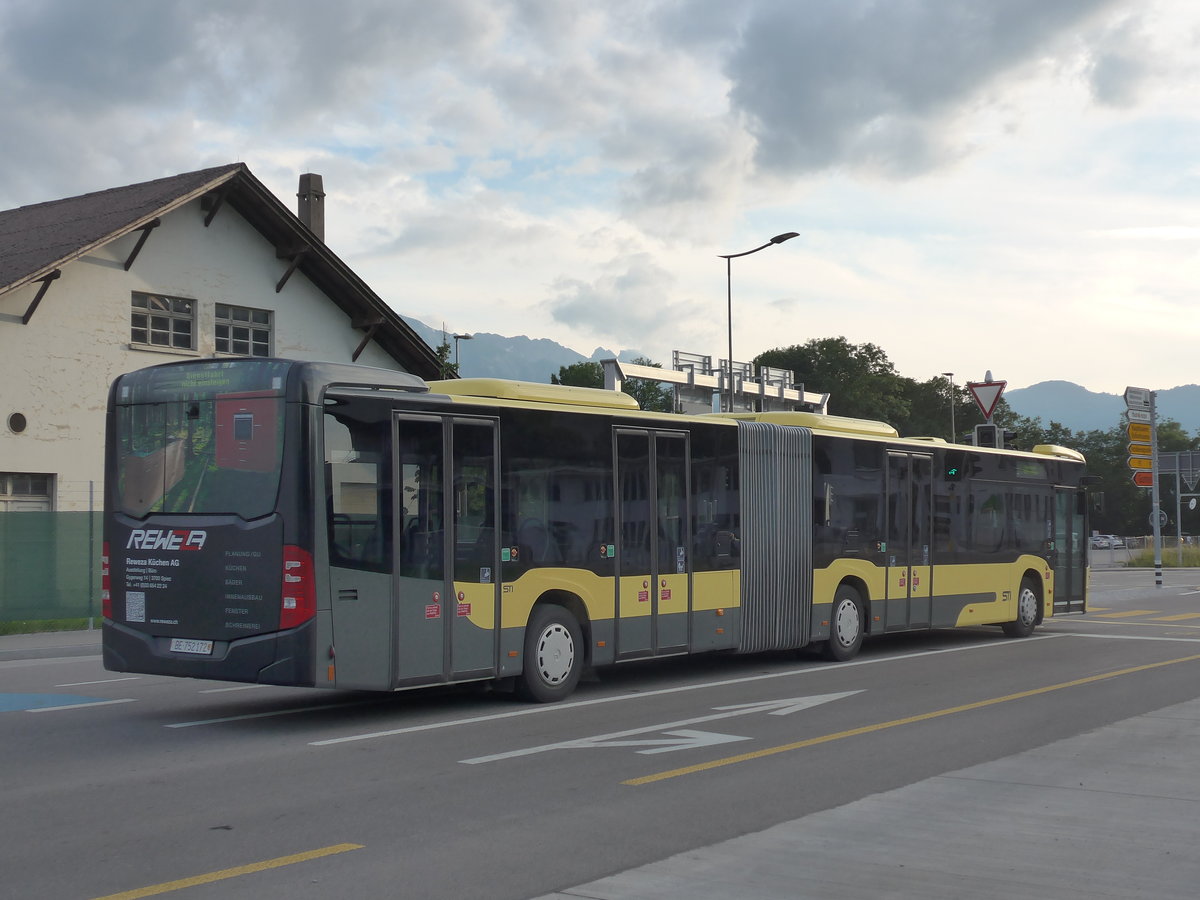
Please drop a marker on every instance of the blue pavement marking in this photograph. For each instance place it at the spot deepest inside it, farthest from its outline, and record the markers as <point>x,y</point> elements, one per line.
<point>17,702</point>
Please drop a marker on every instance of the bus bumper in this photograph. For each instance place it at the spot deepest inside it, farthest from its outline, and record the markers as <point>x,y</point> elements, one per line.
<point>283,657</point>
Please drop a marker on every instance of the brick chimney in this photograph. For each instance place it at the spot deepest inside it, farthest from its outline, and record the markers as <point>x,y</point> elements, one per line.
<point>312,204</point>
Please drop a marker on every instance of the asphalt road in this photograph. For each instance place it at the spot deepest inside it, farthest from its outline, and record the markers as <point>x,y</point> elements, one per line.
<point>127,786</point>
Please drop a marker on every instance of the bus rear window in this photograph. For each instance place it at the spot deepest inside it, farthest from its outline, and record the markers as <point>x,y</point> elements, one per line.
<point>213,449</point>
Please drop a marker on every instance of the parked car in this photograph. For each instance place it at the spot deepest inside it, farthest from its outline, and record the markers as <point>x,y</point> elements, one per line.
<point>1100,542</point>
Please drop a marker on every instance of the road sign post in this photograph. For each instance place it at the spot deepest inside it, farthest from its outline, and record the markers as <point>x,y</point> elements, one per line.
<point>1140,411</point>
<point>1185,464</point>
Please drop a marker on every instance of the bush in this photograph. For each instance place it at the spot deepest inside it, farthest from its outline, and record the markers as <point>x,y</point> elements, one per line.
<point>1144,559</point>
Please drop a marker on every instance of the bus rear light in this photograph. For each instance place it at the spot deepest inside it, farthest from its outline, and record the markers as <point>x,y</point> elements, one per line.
<point>105,584</point>
<point>299,603</point>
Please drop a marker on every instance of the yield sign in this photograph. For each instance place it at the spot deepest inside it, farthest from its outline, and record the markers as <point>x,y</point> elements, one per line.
<point>987,395</point>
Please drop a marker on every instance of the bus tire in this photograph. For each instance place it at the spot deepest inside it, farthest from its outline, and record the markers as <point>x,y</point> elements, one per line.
<point>553,655</point>
<point>846,625</point>
<point>1027,611</point>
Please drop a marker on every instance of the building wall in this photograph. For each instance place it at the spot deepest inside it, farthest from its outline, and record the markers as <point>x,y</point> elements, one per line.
<point>56,370</point>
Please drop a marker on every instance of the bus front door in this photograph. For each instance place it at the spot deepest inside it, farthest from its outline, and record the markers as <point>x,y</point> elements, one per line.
<point>446,549</point>
<point>653,562</point>
<point>1070,555</point>
<point>909,534</point>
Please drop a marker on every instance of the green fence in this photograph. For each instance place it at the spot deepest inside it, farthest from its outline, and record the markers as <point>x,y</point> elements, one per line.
<point>49,565</point>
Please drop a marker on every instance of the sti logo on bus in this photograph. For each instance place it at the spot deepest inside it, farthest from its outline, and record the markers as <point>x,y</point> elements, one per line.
<point>164,539</point>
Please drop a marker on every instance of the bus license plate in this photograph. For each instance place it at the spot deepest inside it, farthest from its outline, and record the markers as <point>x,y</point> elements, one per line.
<point>187,645</point>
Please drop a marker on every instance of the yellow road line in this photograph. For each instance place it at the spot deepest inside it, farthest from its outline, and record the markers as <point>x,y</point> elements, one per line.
<point>231,873</point>
<point>1178,618</point>
<point>907,720</point>
<point>1128,614</point>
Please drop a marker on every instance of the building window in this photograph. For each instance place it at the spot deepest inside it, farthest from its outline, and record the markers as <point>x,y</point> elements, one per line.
<point>243,331</point>
<point>160,321</point>
<point>25,492</point>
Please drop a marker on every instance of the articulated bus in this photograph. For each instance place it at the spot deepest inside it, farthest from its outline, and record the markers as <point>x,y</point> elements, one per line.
<point>297,523</point>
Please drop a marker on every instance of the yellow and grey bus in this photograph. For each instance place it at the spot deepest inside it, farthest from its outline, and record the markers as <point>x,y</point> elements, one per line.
<point>298,523</point>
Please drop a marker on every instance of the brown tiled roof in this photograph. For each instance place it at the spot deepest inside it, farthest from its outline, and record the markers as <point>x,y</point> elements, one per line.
<point>36,240</point>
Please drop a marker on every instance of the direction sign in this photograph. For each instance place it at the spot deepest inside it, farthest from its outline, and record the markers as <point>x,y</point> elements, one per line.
<point>1138,431</point>
<point>1182,461</point>
<point>987,395</point>
<point>1137,398</point>
<point>1140,462</point>
<point>1143,479</point>
<point>1139,415</point>
<point>1140,450</point>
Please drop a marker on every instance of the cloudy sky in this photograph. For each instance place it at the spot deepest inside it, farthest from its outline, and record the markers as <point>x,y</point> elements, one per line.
<point>978,184</point>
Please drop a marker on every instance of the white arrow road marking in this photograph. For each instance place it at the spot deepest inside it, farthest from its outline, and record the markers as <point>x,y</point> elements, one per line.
<point>772,707</point>
<point>685,739</point>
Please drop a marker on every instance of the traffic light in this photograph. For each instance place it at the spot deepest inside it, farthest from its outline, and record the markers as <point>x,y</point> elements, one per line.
<point>988,436</point>
<point>954,465</point>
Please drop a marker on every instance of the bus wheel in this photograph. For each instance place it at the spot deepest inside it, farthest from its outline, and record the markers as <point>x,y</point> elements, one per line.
<point>845,626</point>
<point>553,655</point>
<point>1027,610</point>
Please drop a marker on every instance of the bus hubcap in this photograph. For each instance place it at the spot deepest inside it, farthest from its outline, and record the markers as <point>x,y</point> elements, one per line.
<point>846,622</point>
<point>556,654</point>
<point>1028,606</point>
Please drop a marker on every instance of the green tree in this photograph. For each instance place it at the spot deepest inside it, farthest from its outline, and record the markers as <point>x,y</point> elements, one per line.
<point>929,409</point>
<point>446,369</point>
<point>649,394</point>
<point>580,374</point>
<point>860,379</point>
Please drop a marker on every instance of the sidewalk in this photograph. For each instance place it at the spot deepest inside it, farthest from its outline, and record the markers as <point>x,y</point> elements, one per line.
<point>1108,814</point>
<point>45,644</point>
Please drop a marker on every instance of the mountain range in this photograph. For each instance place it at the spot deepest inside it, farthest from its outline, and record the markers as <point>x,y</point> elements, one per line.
<point>520,358</point>
<point>1072,405</point>
<point>1082,410</point>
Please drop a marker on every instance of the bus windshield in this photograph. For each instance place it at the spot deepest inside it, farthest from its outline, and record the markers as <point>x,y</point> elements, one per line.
<point>200,439</point>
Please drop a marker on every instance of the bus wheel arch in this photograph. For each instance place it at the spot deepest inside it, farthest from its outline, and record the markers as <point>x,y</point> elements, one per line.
<point>847,622</point>
<point>555,648</point>
<point>1029,608</point>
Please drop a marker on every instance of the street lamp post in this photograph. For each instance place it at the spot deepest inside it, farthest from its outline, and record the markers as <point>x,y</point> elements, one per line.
<point>729,257</point>
<point>953,390</point>
<point>457,338</point>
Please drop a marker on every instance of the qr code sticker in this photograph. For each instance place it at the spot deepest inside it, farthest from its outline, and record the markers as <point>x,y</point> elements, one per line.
<point>135,606</point>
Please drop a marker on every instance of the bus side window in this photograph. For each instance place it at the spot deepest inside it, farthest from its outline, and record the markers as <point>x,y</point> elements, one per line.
<point>358,491</point>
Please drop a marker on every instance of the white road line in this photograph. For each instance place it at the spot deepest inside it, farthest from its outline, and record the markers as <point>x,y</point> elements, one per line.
<point>42,709</point>
<point>1126,623</point>
<point>240,687</point>
<point>45,661</point>
<point>105,681</point>
<point>567,707</point>
<point>1132,637</point>
<point>273,713</point>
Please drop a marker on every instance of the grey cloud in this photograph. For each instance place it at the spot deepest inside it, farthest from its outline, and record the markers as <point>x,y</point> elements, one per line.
<point>97,94</point>
<point>1119,69</point>
<point>626,304</point>
<point>870,83</point>
<point>272,59</point>
<point>75,53</point>
<point>472,226</point>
